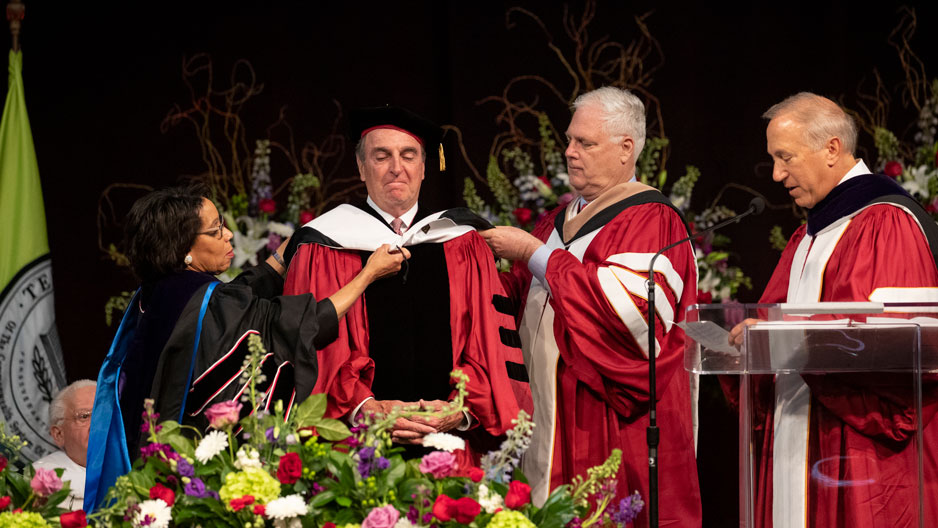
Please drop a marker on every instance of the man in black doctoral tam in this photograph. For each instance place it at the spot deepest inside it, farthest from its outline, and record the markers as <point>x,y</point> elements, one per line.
<point>446,308</point>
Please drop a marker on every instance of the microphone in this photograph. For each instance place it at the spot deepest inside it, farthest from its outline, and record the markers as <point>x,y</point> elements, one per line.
<point>652,434</point>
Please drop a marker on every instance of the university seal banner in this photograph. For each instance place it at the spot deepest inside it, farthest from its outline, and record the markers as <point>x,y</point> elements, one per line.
<point>31,367</point>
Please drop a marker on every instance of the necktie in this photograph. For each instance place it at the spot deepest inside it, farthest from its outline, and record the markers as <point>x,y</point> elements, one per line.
<point>398,226</point>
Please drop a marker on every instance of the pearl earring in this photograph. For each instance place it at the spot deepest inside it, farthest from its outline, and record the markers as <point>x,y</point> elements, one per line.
<point>187,260</point>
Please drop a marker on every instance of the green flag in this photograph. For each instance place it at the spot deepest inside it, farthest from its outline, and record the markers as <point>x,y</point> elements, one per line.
<point>31,368</point>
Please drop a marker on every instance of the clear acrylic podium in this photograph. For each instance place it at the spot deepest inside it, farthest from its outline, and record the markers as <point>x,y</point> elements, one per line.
<point>830,399</point>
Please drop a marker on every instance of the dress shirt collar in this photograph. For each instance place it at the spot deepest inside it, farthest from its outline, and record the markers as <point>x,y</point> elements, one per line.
<point>407,218</point>
<point>858,170</point>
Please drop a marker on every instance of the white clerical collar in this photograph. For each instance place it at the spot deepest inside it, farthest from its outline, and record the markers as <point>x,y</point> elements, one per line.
<point>407,218</point>
<point>858,170</point>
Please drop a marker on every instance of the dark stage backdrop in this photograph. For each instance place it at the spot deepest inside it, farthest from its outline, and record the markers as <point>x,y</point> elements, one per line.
<point>100,77</point>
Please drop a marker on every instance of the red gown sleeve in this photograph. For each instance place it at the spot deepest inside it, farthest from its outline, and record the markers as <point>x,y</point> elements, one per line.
<point>600,305</point>
<point>345,370</point>
<point>479,348</point>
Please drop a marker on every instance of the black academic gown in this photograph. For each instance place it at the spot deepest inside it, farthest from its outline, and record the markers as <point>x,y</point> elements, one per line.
<point>174,337</point>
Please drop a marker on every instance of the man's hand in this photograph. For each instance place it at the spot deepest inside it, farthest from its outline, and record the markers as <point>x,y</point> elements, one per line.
<point>405,430</point>
<point>511,243</point>
<point>440,425</point>
<point>408,431</point>
<point>736,334</point>
<point>374,406</point>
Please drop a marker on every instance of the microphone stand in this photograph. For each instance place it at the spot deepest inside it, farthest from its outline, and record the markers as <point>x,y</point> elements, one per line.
<point>652,433</point>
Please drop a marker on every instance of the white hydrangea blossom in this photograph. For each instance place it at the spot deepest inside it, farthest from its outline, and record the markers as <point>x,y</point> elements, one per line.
<point>287,507</point>
<point>444,442</point>
<point>284,230</point>
<point>248,457</point>
<point>489,500</point>
<point>213,443</point>
<point>404,522</point>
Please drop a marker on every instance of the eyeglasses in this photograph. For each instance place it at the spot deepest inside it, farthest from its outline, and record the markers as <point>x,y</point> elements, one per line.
<point>82,417</point>
<point>216,231</point>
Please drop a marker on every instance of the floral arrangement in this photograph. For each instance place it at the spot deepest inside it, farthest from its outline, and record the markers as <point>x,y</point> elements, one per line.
<point>915,165</point>
<point>30,498</point>
<point>298,469</point>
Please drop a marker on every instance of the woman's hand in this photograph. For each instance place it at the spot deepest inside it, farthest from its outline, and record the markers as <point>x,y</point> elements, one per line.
<point>384,261</point>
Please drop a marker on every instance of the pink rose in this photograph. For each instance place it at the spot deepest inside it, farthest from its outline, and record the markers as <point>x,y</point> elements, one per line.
<point>223,414</point>
<point>383,517</point>
<point>440,464</point>
<point>45,482</point>
<point>893,169</point>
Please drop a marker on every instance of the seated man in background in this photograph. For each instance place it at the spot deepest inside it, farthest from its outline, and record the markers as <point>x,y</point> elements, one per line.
<point>69,418</point>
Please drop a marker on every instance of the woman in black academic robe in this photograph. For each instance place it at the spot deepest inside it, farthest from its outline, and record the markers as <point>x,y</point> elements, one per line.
<point>185,330</point>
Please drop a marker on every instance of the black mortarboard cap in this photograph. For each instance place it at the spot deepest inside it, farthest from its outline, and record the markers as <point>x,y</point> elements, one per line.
<point>364,120</point>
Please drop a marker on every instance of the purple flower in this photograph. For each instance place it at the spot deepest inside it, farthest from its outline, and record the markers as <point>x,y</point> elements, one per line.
<point>155,449</point>
<point>317,489</point>
<point>366,461</point>
<point>628,509</point>
<point>184,468</point>
<point>427,517</point>
<point>383,463</point>
<point>196,488</point>
<point>269,433</point>
<point>273,242</point>
<point>413,515</point>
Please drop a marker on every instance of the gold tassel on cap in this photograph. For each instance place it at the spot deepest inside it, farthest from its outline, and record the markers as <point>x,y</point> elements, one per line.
<point>442,159</point>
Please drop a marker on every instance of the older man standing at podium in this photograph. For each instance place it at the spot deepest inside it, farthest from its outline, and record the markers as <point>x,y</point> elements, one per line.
<point>865,240</point>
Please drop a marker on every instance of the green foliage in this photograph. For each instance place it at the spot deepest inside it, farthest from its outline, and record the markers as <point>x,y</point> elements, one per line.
<point>776,239</point>
<point>238,205</point>
<point>887,144</point>
<point>647,168</point>
<point>505,194</point>
<point>118,303</point>
<point>471,196</point>
<point>300,195</point>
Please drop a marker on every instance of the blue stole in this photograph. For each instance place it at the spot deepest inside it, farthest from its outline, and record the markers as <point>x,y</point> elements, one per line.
<point>108,458</point>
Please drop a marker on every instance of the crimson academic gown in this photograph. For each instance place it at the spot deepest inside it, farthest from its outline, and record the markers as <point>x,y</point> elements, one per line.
<point>450,285</point>
<point>860,427</point>
<point>585,345</point>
